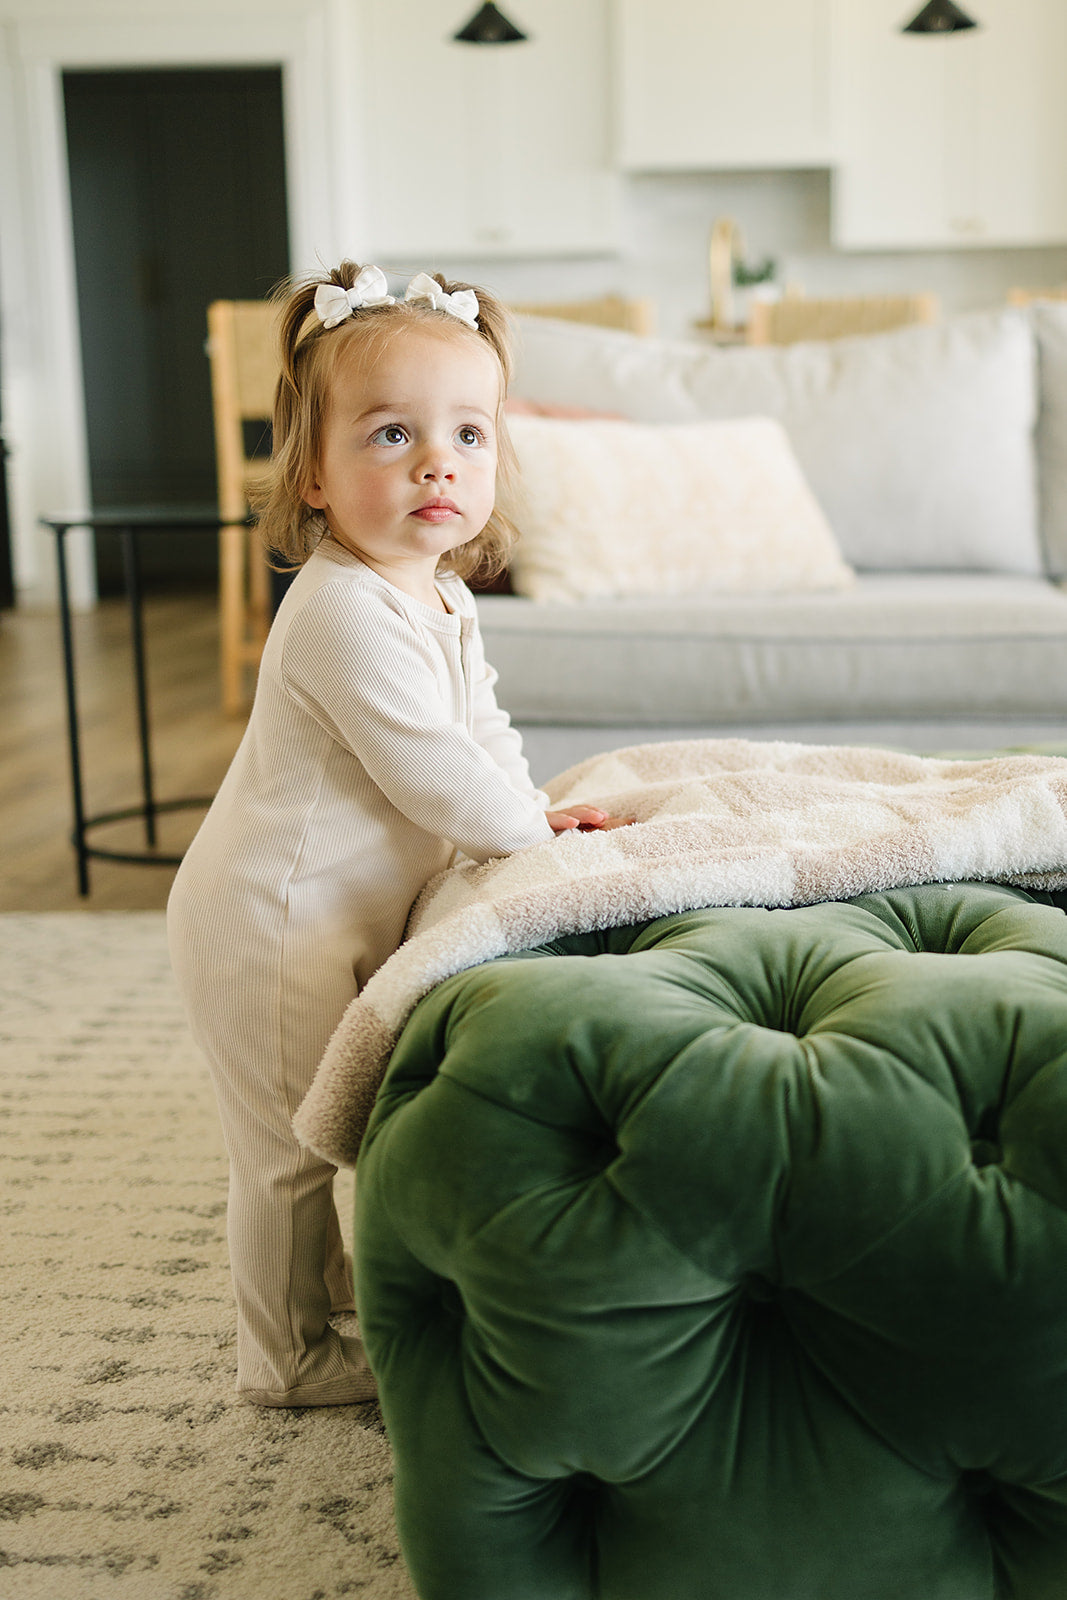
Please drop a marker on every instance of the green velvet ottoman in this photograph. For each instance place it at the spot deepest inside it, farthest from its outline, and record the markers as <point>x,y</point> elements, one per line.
<point>725,1258</point>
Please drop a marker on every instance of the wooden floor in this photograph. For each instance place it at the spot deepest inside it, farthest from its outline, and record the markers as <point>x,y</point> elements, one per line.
<point>192,743</point>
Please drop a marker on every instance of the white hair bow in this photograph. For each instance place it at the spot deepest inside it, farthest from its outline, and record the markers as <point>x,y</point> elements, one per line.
<point>333,304</point>
<point>462,303</point>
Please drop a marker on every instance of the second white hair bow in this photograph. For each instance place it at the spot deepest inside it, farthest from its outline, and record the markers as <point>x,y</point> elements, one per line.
<point>333,304</point>
<point>462,303</point>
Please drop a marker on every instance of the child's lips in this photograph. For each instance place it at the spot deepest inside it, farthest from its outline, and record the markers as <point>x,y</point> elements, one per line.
<point>437,511</point>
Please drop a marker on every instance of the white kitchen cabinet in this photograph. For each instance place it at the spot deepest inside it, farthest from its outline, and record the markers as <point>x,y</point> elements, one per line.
<point>950,139</point>
<point>707,84</point>
<point>487,150</point>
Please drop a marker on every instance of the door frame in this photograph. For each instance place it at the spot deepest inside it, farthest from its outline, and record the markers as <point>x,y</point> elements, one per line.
<point>40,355</point>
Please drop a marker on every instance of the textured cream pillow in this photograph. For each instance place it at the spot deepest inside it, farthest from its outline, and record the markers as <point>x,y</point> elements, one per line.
<point>611,508</point>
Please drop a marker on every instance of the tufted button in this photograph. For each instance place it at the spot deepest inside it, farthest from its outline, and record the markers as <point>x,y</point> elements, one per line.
<point>985,1152</point>
<point>451,1299</point>
<point>585,1483</point>
<point>758,1288</point>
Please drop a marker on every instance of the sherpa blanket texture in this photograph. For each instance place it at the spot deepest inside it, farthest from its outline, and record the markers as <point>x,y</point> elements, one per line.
<point>719,822</point>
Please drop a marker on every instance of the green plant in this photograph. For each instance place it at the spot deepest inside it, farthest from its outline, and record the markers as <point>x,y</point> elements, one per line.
<point>746,274</point>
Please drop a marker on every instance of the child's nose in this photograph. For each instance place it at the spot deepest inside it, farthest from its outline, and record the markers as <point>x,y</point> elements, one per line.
<point>437,463</point>
<point>437,460</point>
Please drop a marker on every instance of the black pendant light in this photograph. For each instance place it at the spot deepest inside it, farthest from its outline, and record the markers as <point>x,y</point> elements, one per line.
<point>940,16</point>
<point>489,26</point>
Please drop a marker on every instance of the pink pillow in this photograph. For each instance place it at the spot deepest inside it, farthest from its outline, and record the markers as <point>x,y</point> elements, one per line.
<point>517,407</point>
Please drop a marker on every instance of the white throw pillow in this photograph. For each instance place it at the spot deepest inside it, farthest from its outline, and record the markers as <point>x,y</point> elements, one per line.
<point>614,508</point>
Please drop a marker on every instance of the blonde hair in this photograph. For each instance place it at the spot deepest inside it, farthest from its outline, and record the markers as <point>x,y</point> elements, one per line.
<point>310,357</point>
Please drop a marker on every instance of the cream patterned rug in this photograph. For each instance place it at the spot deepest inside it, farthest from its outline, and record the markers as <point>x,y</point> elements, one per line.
<point>128,1471</point>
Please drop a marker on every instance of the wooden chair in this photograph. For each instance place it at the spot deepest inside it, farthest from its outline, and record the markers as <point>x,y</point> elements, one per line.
<point>605,311</point>
<point>244,370</point>
<point>1026,297</point>
<point>795,317</point>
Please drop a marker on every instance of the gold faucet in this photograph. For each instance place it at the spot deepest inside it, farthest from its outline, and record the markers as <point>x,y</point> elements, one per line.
<point>727,246</point>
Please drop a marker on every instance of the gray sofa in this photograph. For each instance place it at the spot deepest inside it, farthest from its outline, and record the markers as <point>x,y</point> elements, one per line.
<point>939,456</point>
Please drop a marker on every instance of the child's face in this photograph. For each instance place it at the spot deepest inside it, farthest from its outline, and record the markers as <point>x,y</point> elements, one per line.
<point>408,463</point>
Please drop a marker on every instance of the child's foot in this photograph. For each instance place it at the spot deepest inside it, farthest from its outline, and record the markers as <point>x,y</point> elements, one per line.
<point>353,1387</point>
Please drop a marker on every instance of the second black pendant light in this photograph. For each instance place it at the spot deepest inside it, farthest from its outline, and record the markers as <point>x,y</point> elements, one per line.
<point>940,16</point>
<point>489,26</point>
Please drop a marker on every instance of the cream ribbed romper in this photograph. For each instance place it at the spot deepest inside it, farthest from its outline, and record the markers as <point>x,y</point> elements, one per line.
<point>374,748</point>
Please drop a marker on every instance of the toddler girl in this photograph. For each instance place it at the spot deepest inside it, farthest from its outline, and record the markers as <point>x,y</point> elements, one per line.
<point>375,750</point>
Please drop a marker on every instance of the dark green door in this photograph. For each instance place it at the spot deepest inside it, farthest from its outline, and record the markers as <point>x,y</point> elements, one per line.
<point>177,183</point>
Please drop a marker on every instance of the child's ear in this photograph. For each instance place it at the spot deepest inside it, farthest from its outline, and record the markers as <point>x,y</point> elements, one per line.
<point>314,494</point>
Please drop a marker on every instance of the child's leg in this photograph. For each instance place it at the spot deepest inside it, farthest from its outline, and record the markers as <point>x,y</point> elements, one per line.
<point>263,1039</point>
<point>338,1267</point>
<point>285,1243</point>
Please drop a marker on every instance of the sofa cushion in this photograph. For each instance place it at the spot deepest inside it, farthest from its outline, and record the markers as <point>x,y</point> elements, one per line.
<point>905,646</point>
<point>917,444</point>
<point>631,508</point>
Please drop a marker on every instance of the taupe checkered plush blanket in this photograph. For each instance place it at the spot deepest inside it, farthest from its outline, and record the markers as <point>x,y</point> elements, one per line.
<point>719,823</point>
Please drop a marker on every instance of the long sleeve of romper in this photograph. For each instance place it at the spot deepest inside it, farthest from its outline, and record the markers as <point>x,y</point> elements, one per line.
<point>369,677</point>
<point>492,725</point>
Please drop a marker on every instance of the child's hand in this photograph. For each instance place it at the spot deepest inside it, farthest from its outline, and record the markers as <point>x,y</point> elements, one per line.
<point>586,818</point>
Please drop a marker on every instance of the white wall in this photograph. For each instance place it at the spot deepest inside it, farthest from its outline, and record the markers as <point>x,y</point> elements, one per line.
<point>662,249</point>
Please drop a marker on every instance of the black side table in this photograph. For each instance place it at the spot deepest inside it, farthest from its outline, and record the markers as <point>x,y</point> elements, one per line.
<point>129,523</point>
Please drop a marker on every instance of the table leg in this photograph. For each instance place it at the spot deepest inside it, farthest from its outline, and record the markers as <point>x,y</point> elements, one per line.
<point>133,598</point>
<point>73,741</point>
